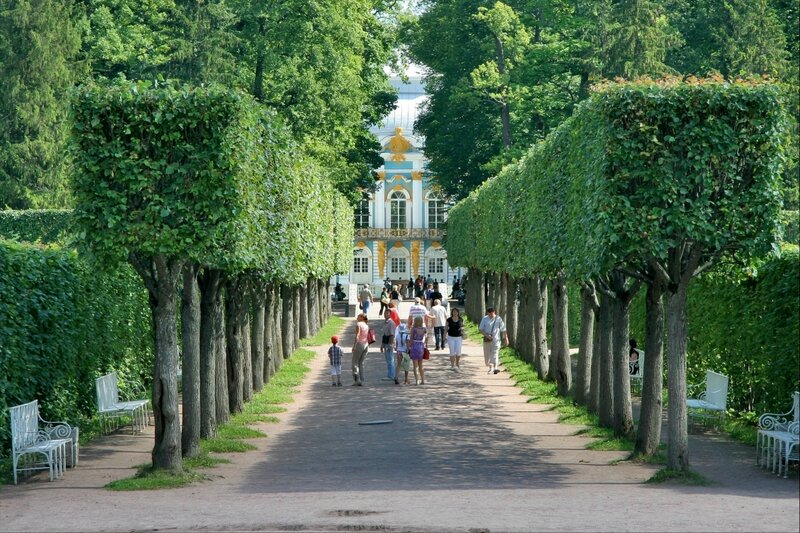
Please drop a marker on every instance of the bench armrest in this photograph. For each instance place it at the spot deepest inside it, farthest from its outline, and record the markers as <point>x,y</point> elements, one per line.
<point>773,421</point>
<point>696,391</point>
<point>58,430</point>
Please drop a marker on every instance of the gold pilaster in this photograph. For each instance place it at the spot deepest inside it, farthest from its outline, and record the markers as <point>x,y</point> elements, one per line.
<point>381,257</point>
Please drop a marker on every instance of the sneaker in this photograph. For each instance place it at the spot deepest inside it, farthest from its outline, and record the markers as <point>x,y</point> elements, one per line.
<point>489,371</point>
<point>396,382</point>
<point>496,371</point>
<point>333,384</point>
<point>360,383</point>
<point>339,384</point>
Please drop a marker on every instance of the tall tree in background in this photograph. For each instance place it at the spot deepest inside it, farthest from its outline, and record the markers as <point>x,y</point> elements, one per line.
<point>641,37</point>
<point>733,38</point>
<point>131,38</point>
<point>320,64</point>
<point>39,42</point>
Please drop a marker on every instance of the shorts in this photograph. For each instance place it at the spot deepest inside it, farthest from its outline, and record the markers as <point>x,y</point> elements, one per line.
<point>336,370</point>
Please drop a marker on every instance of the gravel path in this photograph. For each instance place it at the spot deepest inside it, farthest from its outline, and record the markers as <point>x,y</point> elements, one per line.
<point>464,452</point>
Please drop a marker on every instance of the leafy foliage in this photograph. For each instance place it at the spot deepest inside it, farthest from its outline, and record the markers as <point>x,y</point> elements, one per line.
<point>745,325</point>
<point>63,324</point>
<point>45,226</point>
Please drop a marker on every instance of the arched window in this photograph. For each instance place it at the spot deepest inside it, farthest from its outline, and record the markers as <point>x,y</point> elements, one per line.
<point>436,212</point>
<point>362,212</point>
<point>397,210</point>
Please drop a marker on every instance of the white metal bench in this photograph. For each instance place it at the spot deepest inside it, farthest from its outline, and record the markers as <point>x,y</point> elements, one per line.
<point>786,448</point>
<point>636,369</point>
<point>775,436</point>
<point>33,448</point>
<point>111,408</point>
<point>713,399</point>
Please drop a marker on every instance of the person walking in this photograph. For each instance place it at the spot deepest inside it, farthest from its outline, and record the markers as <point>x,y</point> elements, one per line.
<point>418,334</point>
<point>417,310</point>
<point>403,360</point>
<point>365,297</point>
<point>439,322</point>
<point>492,327</point>
<point>394,297</point>
<point>335,356</point>
<point>360,349</point>
<point>387,344</point>
<point>384,301</point>
<point>455,334</point>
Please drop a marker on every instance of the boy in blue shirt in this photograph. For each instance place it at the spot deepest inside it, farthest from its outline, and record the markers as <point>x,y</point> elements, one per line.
<point>335,356</point>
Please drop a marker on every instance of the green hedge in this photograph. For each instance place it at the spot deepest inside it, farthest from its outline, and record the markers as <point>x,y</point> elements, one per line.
<point>62,324</point>
<point>746,329</point>
<point>35,225</point>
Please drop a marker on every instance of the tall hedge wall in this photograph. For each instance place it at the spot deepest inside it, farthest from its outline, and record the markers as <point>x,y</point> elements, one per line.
<point>746,328</point>
<point>35,225</point>
<point>62,324</point>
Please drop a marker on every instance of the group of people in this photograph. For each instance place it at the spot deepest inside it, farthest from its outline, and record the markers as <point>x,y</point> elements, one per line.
<point>405,344</point>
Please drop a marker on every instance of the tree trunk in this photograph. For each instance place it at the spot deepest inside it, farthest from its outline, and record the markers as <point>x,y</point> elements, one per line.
<point>304,329</point>
<point>277,339</point>
<point>584,378</point>
<point>221,364</point>
<point>593,402</point>
<point>623,413</point>
<point>161,276</point>
<point>648,435</point>
<point>677,331</point>
<point>235,345</point>
<point>605,398</point>
<point>269,332</point>
<point>563,375</point>
<point>190,370</point>
<point>541,354</point>
<point>524,342</point>
<point>313,307</point>
<point>296,330</point>
<point>512,318</point>
<point>287,321</point>
<point>247,354</point>
<point>257,340</point>
<point>210,331</point>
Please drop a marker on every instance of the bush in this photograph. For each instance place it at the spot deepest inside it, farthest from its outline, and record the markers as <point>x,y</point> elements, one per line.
<point>62,324</point>
<point>35,225</point>
<point>746,328</point>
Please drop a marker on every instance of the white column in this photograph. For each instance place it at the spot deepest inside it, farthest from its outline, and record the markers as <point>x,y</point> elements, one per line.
<point>379,206</point>
<point>417,204</point>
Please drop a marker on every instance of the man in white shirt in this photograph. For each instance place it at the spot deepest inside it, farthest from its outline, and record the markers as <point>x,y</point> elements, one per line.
<point>439,322</point>
<point>492,327</point>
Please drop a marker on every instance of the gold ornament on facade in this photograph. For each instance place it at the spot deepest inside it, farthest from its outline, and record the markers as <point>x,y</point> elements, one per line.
<point>436,244</point>
<point>398,244</point>
<point>415,257</point>
<point>416,175</point>
<point>381,257</point>
<point>398,145</point>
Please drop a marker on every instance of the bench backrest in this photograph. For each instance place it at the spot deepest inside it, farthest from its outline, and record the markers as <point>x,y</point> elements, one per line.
<point>107,392</point>
<point>24,425</point>
<point>717,389</point>
<point>796,406</point>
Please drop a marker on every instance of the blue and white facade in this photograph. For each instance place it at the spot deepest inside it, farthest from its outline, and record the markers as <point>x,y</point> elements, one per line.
<point>399,227</point>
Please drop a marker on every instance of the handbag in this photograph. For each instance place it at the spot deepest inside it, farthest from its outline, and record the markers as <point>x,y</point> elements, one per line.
<point>426,354</point>
<point>371,337</point>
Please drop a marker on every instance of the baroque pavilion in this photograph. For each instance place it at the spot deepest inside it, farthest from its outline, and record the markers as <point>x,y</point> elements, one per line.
<point>399,227</point>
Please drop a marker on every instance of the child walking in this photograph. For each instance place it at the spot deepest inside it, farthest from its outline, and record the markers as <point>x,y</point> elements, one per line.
<point>403,360</point>
<point>335,356</point>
